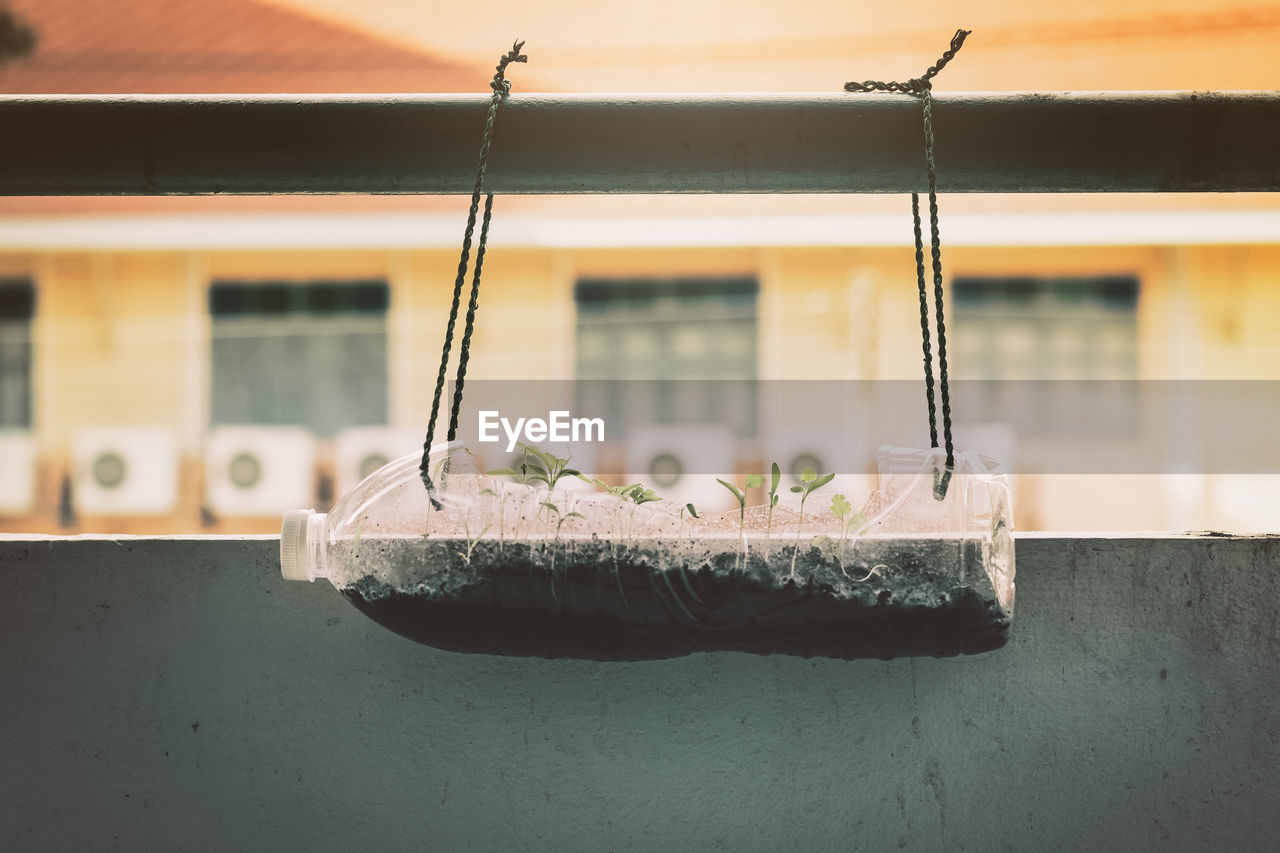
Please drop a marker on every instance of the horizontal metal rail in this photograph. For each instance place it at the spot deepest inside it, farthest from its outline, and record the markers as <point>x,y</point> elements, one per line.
<point>810,143</point>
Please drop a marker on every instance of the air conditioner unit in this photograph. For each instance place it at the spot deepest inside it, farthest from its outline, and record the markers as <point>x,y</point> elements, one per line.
<point>127,470</point>
<point>17,472</point>
<point>359,451</point>
<point>681,463</point>
<point>259,470</point>
<point>827,450</point>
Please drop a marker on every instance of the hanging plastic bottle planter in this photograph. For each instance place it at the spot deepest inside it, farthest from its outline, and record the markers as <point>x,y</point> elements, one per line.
<point>518,564</point>
<point>502,567</point>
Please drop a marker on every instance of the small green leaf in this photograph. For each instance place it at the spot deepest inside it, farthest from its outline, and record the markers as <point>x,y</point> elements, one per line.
<point>773,499</point>
<point>545,458</point>
<point>488,492</point>
<point>840,506</point>
<point>858,522</point>
<point>808,475</point>
<point>570,472</point>
<point>822,481</point>
<point>755,481</point>
<point>797,489</point>
<point>775,478</point>
<point>501,472</point>
<point>575,514</point>
<point>692,511</point>
<point>641,495</point>
<point>737,493</point>
<point>549,505</point>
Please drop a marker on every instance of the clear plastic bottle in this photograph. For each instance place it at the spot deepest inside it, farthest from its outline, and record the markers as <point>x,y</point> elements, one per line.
<point>500,567</point>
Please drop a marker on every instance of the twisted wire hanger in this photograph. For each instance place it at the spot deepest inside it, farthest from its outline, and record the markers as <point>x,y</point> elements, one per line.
<point>922,88</point>
<point>501,89</point>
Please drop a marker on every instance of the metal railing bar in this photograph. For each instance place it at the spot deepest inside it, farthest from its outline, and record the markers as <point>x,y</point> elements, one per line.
<point>78,145</point>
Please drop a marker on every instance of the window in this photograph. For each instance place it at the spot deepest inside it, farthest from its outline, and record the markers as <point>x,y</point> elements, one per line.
<point>1047,328</point>
<point>17,307</point>
<point>312,353</point>
<point>1024,328</point>
<point>686,328</point>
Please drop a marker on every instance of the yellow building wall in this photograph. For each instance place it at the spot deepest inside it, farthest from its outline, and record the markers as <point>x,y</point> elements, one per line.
<point>1238,318</point>
<point>122,337</point>
<point>108,342</point>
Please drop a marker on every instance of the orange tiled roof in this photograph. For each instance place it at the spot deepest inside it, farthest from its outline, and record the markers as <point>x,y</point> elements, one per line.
<point>207,46</point>
<point>816,45</point>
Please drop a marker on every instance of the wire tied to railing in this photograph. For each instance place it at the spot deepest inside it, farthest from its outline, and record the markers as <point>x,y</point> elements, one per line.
<point>501,89</point>
<point>922,88</point>
<point>916,85</point>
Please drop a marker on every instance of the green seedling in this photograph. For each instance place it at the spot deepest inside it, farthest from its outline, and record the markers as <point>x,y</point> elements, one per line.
<point>502,513</point>
<point>693,513</point>
<point>640,495</point>
<point>775,477</point>
<point>741,497</point>
<point>810,482</point>
<point>622,493</point>
<point>756,481</point>
<point>537,466</point>
<point>841,508</point>
<point>633,492</point>
<point>522,473</point>
<point>561,518</point>
<point>471,540</point>
<point>683,570</point>
<point>849,520</point>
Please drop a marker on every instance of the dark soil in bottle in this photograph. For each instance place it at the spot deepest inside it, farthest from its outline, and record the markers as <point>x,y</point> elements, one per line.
<point>602,602</point>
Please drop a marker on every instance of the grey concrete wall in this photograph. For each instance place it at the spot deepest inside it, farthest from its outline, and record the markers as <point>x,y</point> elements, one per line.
<point>177,694</point>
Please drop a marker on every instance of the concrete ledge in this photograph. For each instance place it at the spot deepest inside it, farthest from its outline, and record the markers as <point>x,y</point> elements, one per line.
<point>164,693</point>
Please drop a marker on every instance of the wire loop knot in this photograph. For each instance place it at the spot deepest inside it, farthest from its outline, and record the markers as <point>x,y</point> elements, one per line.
<point>916,85</point>
<point>501,86</point>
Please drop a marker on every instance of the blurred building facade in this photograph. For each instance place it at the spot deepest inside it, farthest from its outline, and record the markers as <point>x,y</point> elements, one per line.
<point>141,338</point>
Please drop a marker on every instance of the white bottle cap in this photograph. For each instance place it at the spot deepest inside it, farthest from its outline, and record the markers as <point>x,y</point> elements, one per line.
<point>296,563</point>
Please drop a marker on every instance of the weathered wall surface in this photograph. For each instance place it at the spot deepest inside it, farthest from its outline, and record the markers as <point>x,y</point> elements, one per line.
<point>176,694</point>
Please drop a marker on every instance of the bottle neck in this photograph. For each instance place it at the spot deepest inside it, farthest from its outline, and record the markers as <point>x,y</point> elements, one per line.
<point>317,545</point>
